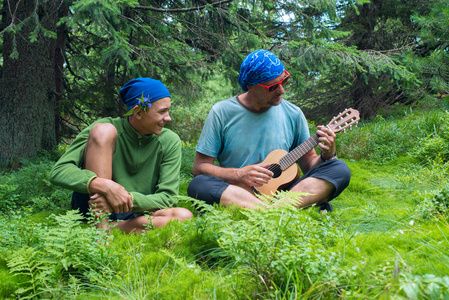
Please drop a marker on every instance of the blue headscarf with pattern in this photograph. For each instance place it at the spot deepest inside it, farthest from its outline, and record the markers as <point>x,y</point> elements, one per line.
<point>259,66</point>
<point>143,91</point>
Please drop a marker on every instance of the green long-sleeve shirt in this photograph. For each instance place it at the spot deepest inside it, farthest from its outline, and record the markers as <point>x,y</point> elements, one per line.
<point>146,166</point>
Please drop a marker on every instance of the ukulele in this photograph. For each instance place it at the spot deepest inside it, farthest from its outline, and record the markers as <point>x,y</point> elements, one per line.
<point>283,163</point>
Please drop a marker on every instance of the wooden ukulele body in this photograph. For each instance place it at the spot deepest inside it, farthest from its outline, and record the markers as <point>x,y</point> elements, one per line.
<point>278,182</point>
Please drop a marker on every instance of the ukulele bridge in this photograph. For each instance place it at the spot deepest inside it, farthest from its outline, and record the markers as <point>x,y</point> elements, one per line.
<point>255,190</point>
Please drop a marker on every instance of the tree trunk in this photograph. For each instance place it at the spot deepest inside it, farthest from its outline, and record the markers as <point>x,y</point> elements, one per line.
<point>60,49</point>
<point>27,94</point>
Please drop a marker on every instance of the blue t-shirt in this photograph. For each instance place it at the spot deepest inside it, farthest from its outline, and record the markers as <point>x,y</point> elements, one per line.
<point>238,137</point>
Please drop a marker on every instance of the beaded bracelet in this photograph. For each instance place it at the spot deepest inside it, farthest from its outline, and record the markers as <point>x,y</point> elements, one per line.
<point>323,159</point>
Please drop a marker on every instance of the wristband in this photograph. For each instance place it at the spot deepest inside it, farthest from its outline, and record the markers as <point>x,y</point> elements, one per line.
<point>323,159</point>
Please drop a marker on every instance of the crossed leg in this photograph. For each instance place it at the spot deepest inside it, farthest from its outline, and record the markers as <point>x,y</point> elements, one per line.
<point>98,155</point>
<point>214,190</point>
<point>157,219</point>
<point>317,191</point>
<point>239,196</point>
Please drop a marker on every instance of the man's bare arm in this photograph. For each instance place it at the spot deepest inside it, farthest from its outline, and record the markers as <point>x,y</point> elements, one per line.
<point>254,175</point>
<point>327,144</point>
<point>116,195</point>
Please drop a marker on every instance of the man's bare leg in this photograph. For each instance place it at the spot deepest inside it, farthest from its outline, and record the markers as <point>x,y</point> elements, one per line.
<point>238,196</point>
<point>158,219</point>
<point>319,191</point>
<point>98,155</point>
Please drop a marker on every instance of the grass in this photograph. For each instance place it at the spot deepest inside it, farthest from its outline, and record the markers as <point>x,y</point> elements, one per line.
<point>385,239</point>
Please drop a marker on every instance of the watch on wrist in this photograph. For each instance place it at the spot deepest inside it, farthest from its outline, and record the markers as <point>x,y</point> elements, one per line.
<point>323,159</point>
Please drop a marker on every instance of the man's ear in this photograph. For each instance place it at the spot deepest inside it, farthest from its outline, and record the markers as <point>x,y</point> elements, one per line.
<point>136,112</point>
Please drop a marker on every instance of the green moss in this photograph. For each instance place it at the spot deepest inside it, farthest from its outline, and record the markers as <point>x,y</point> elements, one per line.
<point>8,283</point>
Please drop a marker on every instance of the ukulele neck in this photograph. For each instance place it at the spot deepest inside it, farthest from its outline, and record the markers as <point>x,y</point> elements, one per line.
<point>293,156</point>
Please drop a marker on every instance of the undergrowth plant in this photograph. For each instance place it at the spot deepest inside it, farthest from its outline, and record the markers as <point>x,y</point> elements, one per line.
<point>427,286</point>
<point>188,116</point>
<point>58,257</point>
<point>276,244</point>
<point>18,230</point>
<point>29,187</point>
<point>432,204</point>
<point>384,139</point>
<point>166,263</point>
<point>433,283</point>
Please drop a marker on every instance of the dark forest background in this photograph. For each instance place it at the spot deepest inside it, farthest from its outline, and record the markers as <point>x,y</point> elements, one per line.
<point>63,61</point>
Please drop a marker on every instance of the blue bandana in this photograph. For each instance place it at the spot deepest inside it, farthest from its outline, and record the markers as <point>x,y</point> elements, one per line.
<point>143,90</point>
<point>259,66</point>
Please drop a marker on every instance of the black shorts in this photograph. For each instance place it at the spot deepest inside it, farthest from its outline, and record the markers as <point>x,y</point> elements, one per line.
<point>209,188</point>
<point>80,202</point>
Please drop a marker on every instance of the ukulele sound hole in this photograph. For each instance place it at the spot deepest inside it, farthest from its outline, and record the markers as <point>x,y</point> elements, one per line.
<point>276,169</point>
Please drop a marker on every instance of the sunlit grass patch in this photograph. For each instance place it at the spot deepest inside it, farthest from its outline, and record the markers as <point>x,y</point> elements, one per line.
<point>9,283</point>
<point>149,271</point>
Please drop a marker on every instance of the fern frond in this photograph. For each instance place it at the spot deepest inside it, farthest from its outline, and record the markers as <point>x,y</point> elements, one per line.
<point>26,263</point>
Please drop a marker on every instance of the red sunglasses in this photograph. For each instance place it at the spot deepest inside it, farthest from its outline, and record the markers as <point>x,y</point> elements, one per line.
<point>274,86</point>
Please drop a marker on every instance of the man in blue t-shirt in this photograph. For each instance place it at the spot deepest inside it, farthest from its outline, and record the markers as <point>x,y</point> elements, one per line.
<point>241,131</point>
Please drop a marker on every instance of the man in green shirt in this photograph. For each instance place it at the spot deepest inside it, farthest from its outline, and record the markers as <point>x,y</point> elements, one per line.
<point>127,166</point>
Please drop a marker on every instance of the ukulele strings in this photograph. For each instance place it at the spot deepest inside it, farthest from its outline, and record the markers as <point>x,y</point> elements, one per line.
<point>275,168</point>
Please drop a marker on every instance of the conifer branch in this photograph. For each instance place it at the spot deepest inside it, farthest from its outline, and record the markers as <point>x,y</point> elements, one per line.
<point>177,10</point>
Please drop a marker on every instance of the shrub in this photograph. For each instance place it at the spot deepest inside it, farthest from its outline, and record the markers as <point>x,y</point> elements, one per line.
<point>384,140</point>
<point>430,148</point>
<point>273,245</point>
<point>427,286</point>
<point>432,204</point>
<point>55,260</point>
<point>188,156</point>
<point>188,115</point>
<point>29,186</point>
<point>434,146</point>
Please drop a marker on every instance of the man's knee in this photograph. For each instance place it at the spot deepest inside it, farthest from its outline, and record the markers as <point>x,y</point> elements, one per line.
<point>195,186</point>
<point>340,176</point>
<point>344,172</point>
<point>181,213</point>
<point>102,134</point>
<point>207,188</point>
